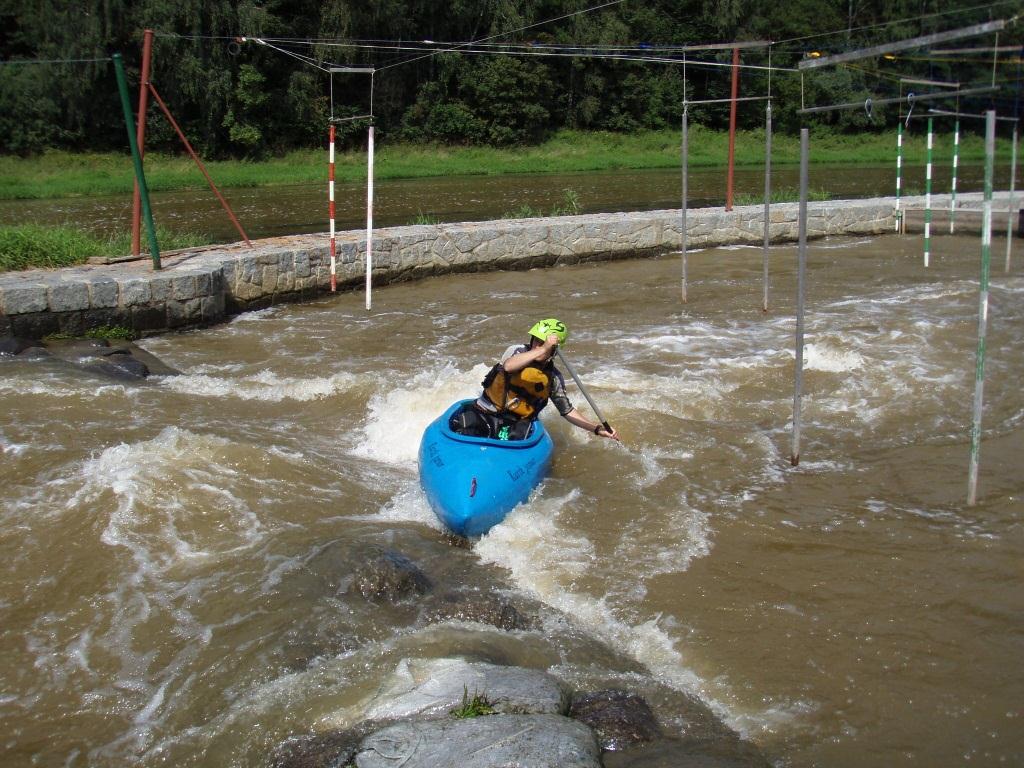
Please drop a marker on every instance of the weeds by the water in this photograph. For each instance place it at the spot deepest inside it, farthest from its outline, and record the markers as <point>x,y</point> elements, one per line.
<point>426,218</point>
<point>63,174</point>
<point>108,332</point>
<point>570,206</point>
<point>781,195</point>
<point>473,707</point>
<point>28,246</point>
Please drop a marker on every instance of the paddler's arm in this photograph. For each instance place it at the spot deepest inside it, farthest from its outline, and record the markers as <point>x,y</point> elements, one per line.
<point>581,421</point>
<point>539,354</point>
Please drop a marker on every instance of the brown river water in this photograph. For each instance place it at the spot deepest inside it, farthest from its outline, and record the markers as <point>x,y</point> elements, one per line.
<point>295,209</point>
<point>170,552</point>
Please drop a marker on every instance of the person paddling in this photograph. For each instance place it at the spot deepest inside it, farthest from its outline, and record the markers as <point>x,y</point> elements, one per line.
<point>518,388</point>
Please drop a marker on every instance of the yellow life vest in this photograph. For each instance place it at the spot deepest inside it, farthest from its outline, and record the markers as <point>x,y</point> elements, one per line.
<point>523,393</point>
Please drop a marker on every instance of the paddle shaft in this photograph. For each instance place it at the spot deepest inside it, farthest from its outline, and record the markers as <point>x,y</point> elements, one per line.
<point>601,418</point>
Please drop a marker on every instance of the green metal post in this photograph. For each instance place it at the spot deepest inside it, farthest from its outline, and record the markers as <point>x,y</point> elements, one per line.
<point>979,365</point>
<point>122,86</point>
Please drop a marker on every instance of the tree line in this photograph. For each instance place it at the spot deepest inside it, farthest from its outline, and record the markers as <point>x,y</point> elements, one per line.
<point>243,99</point>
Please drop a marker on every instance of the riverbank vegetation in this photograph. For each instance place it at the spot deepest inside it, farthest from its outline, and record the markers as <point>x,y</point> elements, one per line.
<point>25,246</point>
<point>250,79</point>
<point>56,174</point>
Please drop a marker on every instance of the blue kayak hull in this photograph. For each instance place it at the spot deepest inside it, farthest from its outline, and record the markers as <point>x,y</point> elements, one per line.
<point>472,483</point>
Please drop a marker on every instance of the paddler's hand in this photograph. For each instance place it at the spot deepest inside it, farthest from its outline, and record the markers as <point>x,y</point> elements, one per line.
<point>548,347</point>
<point>602,432</point>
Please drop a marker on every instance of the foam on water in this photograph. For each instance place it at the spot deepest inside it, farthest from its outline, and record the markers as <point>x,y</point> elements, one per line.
<point>265,385</point>
<point>825,357</point>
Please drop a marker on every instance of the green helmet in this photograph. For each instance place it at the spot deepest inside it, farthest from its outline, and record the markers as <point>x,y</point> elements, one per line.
<point>545,328</point>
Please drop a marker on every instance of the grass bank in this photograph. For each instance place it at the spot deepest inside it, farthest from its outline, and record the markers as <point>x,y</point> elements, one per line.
<point>25,246</point>
<point>62,174</point>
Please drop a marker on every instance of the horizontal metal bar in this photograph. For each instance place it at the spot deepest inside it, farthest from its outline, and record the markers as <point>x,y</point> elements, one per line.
<point>350,119</point>
<point>946,113</point>
<point>909,98</point>
<point>919,81</point>
<point>726,101</point>
<point>363,70</point>
<point>978,49</point>
<point>904,45</point>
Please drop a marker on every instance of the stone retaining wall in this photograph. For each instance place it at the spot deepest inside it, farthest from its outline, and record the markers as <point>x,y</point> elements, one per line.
<point>202,286</point>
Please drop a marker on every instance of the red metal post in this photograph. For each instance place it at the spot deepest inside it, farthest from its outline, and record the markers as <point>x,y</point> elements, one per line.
<point>732,126</point>
<point>195,157</point>
<point>140,137</point>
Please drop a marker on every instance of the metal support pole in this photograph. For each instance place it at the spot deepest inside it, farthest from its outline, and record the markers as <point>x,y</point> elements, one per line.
<point>928,197</point>
<point>767,198</point>
<point>798,377</point>
<point>979,365</point>
<point>1010,207</point>
<point>199,164</point>
<point>122,87</point>
<point>140,137</point>
<point>369,220</point>
<point>732,127</point>
<point>899,173</point>
<point>952,188</point>
<point>682,214</point>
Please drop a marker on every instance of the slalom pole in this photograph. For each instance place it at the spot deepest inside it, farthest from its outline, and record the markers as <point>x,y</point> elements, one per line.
<point>1009,209</point>
<point>593,405</point>
<point>798,377</point>
<point>767,198</point>
<point>952,188</point>
<point>682,225</point>
<point>899,172</point>
<point>928,197</point>
<point>369,219</point>
<point>140,137</point>
<point>979,365</point>
<point>331,209</point>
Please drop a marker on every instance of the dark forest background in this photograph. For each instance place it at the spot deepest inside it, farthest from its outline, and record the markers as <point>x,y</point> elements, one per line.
<point>249,100</point>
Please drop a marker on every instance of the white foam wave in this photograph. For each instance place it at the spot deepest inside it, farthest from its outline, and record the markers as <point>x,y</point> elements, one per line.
<point>825,357</point>
<point>398,417</point>
<point>265,386</point>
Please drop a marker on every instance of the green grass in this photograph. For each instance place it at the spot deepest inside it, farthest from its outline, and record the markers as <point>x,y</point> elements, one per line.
<point>62,174</point>
<point>26,246</point>
<point>477,706</point>
<point>781,195</point>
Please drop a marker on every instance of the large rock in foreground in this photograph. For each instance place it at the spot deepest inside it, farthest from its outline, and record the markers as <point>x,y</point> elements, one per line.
<point>434,687</point>
<point>493,741</point>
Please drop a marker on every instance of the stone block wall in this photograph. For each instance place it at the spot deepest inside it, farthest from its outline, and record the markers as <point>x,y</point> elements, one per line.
<point>203,286</point>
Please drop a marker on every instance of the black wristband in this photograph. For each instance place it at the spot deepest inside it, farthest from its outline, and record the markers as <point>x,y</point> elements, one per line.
<point>597,429</point>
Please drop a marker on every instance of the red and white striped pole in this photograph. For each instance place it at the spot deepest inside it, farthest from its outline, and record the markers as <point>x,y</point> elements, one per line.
<point>330,210</point>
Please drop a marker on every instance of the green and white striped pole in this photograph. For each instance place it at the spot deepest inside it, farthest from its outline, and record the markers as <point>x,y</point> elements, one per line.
<point>928,197</point>
<point>952,187</point>
<point>1010,209</point>
<point>899,172</point>
<point>979,366</point>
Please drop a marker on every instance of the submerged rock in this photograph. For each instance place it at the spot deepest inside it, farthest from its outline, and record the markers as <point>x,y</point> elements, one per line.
<point>434,687</point>
<point>14,345</point>
<point>390,577</point>
<point>480,607</point>
<point>334,749</point>
<point>671,753</point>
<point>494,741</point>
<point>619,718</point>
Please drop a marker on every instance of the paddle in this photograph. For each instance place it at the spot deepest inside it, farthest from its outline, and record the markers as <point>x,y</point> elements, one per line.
<point>601,418</point>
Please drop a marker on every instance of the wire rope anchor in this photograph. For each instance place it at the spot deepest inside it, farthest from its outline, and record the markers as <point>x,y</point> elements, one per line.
<point>867,108</point>
<point>911,98</point>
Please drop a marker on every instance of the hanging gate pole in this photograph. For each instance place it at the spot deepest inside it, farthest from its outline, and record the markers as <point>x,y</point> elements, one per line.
<point>369,219</point>
<point>732,127</point>
<point>140,137</point>
<point>330,208</point>
<point>1010,207</point>
<point>979,366</point>
<point>899,174</point>
<point>767,198</point>
<point>952,188</point>
<point>798,377</point>
<point>682,224</point>
<point>928,197</point>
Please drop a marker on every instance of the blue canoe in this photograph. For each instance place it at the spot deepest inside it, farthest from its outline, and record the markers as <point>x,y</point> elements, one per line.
<point>473,482</point>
